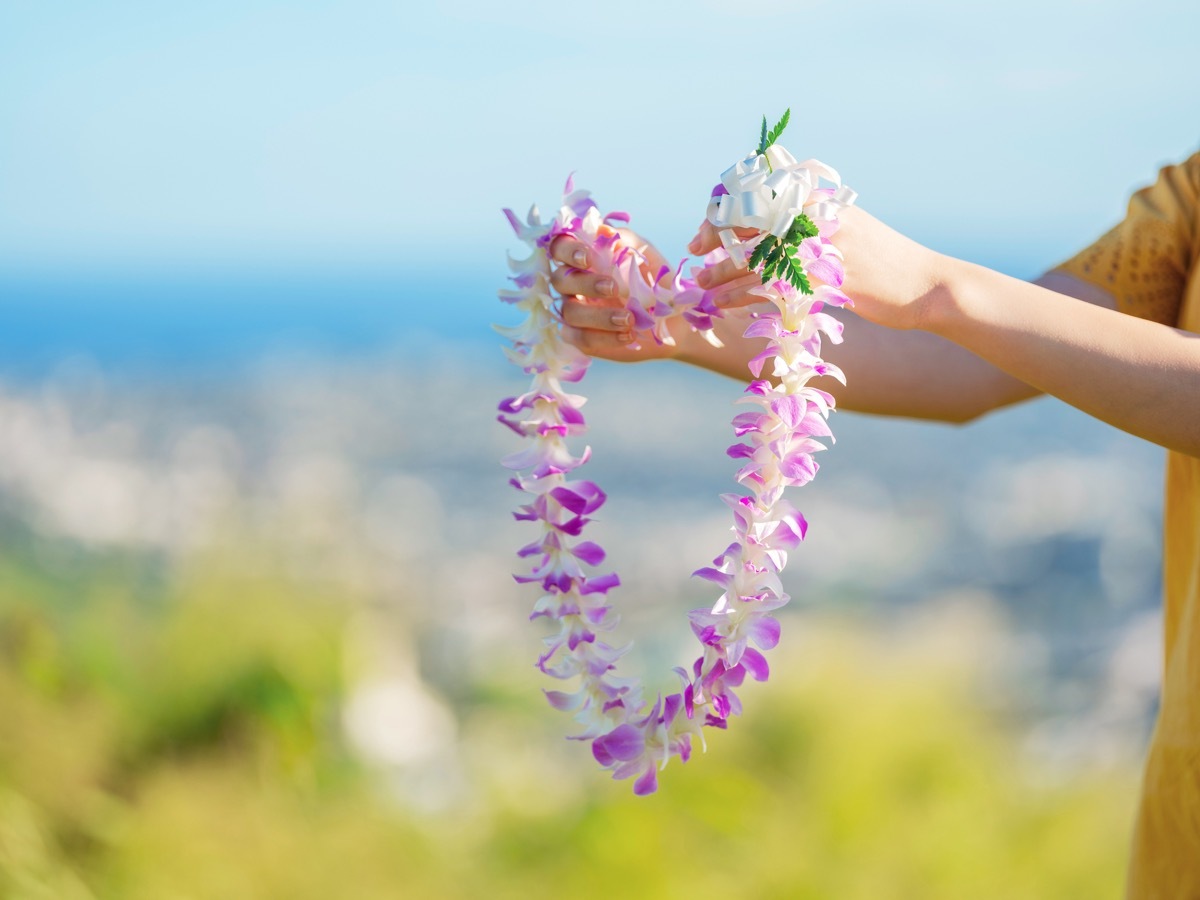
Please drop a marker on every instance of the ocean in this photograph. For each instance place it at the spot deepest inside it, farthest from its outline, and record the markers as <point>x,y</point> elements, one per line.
<point>156,321</point>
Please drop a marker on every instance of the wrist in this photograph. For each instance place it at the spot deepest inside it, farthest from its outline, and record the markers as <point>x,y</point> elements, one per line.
<point>939,308</point>
<point>733,354</point>
<point>689,346</point>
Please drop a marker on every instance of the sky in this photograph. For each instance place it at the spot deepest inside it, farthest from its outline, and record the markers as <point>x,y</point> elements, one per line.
<point>369,135</point>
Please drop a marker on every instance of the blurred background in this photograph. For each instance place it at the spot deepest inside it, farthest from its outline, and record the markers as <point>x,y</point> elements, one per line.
<point>257,632</point>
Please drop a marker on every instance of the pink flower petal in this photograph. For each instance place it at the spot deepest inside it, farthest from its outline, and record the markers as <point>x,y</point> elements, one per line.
<point>623,743</point>
<point>588,552</point>
<point>764,631</point>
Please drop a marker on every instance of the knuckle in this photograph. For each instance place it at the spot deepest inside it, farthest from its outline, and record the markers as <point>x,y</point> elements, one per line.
<point>558,248</point>
<point>573,336</point>
<point>571,313</point>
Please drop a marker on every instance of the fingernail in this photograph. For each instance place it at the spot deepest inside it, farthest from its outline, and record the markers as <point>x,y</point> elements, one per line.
<point>622,319</point>
<point>694,245</point>
<point>606,286</point>
<point>579,258</point>
<point>625,338</point>
<point>704,278</point>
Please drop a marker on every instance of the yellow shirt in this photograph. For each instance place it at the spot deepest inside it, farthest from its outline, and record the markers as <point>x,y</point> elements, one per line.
<point>1150,263</point>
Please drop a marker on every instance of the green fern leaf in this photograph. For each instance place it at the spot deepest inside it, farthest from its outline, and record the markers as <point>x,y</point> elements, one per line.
<point>760,253</point>
<point>774,133</point>
<point>798,279</point>
<point>802,227</point>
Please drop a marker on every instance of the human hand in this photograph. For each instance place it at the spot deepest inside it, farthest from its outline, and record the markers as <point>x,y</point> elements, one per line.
<point>729,283</point>
<point>595,317</point>
<point>889,277</point>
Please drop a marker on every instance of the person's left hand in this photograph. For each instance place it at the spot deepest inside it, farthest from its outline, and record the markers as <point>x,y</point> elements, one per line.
<point>595,318</point>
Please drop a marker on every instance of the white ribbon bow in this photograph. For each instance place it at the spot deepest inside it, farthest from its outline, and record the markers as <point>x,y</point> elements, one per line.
<point>767,192</point>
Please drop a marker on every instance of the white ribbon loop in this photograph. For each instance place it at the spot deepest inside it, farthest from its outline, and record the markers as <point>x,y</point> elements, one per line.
<point>779,158</point>
<point>753,209</point>
<point>845,196</point>
<point>767,191</point>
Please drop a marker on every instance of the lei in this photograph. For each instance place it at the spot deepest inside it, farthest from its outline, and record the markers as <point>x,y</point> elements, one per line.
<point>794,215</point>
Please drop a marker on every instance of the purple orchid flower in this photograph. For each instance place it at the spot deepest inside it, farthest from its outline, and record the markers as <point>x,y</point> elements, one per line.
<point>777,439</point>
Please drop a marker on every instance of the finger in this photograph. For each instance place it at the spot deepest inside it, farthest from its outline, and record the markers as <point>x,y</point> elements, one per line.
<point>570,281</point>
<point>597,316</point>
<point>705,241</point>
<point>565,249</point>
<point>655,261</point>
<point>597,343</point>
<point>708,239</point>
<point>719,273</point>
<point>737,293</point>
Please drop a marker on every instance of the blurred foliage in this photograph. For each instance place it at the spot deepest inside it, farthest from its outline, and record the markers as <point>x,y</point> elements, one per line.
<point>184,742</point>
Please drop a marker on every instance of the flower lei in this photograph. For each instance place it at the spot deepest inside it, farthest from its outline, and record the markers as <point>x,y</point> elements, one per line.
<point>795,216</point>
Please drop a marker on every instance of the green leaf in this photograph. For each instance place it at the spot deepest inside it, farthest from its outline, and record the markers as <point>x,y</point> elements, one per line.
<point>773,135</point>
<point>797,278</point>
<point>802,227</point>
<point>762,141</point>
<point>784,269</point>
<point>760,253</point>
<point>778,262</point>
<point>775,254</point>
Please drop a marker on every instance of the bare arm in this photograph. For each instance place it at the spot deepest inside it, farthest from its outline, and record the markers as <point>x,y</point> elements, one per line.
<point>949,340</point>
<point>1135,374</point>
<point>914,374</point>
<point>911,374</point>
<point>1140,376</point>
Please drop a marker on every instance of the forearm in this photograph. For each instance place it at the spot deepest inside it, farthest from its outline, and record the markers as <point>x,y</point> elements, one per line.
<point>1137,375</point>
<point>912,374</point>
<point>960,340</point>
<point>915,374</point>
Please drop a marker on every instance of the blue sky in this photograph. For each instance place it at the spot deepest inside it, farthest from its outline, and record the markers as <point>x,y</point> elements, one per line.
<point>143,136</point>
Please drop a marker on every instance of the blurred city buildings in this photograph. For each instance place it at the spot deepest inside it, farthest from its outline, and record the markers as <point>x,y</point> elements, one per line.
<point>1036,528</point>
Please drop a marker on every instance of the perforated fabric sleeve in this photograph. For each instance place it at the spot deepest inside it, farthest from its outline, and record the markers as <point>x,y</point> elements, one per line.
<point>1144,262</point>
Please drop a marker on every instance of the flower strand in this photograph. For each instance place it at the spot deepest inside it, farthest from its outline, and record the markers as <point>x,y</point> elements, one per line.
<point>779,436</point>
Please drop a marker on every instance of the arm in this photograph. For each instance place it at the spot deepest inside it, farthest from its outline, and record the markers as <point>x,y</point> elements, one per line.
<point>914,374</point>
<point>898,373</point>
<point>1140,376</point>
<point>962,339</point>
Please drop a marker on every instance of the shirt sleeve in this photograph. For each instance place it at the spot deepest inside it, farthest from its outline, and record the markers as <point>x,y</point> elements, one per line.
<point>1145,261</point>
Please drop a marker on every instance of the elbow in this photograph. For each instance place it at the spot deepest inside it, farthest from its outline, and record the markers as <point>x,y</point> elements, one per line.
<point>965,415</point>
<point>984,403</point>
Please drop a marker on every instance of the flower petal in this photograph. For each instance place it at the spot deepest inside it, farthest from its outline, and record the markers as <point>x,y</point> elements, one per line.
<point>625,742</point>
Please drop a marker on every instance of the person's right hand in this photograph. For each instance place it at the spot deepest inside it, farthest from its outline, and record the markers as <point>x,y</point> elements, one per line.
<point>889,278</point>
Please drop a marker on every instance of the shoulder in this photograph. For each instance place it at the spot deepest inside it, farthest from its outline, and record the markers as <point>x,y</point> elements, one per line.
<point>1145,261</point>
